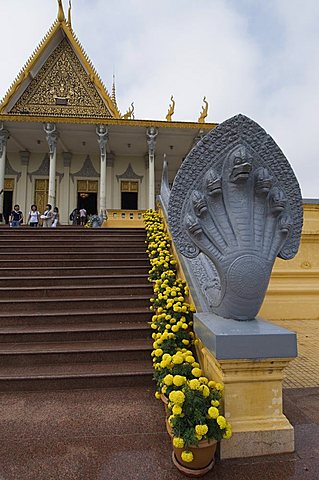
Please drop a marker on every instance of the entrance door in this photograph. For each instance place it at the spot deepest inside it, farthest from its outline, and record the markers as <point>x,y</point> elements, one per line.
<point>8,198</point>
<point>87,196</point>
<point>129,195</point>
<point>87,200</point>
<point>41,193</point>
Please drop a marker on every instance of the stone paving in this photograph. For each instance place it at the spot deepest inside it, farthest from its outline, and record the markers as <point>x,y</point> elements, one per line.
<point>303,371</point>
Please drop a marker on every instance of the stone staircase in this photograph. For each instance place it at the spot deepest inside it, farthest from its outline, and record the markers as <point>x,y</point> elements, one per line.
<point>74,307</point>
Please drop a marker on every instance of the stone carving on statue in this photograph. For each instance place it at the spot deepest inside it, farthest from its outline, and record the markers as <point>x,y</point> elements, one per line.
<point>204,111</point>
<point>171,110</point>
<point>151,133</point>
<point>4,136</point>
<point>51,136</point>
<point>130,113</point>
<point>235,202</point>
<point>102,133</point>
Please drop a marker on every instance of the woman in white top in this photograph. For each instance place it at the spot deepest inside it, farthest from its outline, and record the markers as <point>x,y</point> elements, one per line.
<point>34,214</point>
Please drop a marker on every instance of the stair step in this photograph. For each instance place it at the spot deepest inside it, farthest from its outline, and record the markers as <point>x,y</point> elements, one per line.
<point>62,304</point>
<point>37,270</point>
<point>72,280</point>
<point>80,261</point>
<point>134,314</point>
<point>70,291</point>
<point>20,354</point>
<point>36,256</point>
<point>74,332</point>
<point>84,375</point>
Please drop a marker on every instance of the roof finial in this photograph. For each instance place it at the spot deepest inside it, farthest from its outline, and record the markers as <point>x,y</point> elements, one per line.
<point>114,91</point>
<point>61,16</point>
<point>203,113</point>
<point>69,15</point>
<point>171,109</point>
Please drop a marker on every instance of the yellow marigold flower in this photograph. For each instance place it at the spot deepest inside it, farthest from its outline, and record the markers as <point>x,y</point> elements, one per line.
<point>201,429</point>
<point>178,442</point>
<point>184,309</point>
<point>227,434</point>
<point>175,328</point>
<point>190,359</point>
<point>170,420</point>
<point>203,380</point>
<point>221,421</point>
<point>168,379</point>
<point>187,456</point>
<point>176,396</point>
<point>177,359</point>
<point>213,412</point>
<point>195,365</point>
<point>185,342</point>
<point>158,352</point>
<point>167,357</point>
<point>157,395</point>
<point>215,403</point>
<point>164,389</point>
<point>219,387</point>
<point>167,326</point>
<point>185,326</point>
<point>153,326</point>
<point>194,384</point>
<point>205,391</point>
<point>177,410</point>
<point>196,372</point>
<point>199,437</point>
<point>212,384</point>
<point>179,380</point>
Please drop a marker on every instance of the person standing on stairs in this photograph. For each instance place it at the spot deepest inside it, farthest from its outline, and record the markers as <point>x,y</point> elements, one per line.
<point>55,217</point>
<point>34,215</point>
<point>47,216</point>
<point>16,217</point>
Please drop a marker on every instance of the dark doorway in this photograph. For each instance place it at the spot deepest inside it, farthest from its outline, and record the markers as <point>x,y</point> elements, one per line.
<point>7,204</point>
<point>88,201</point>
<point>129,200</point>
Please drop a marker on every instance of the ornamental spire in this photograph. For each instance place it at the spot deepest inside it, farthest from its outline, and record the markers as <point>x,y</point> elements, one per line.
<point>61,17</point>
<point>114,92</point>
<point>69,15</point>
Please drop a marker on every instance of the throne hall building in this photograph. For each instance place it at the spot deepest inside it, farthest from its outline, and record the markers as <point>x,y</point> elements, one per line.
<point>64,141</point>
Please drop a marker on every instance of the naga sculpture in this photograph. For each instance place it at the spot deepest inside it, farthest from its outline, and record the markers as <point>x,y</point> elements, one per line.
<point>235,206</point>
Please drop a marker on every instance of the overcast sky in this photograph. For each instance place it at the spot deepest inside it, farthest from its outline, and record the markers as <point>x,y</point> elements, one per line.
<point>255,57</point>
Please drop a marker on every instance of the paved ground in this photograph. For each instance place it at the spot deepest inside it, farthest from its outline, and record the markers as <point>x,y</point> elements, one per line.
<point>101,435</point>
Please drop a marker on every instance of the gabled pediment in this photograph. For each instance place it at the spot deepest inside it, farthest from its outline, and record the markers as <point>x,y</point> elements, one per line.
<point>59,80</point>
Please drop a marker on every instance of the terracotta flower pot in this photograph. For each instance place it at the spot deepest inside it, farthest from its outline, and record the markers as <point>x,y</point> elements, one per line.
<point>202,462</point>
<point>165,402</point>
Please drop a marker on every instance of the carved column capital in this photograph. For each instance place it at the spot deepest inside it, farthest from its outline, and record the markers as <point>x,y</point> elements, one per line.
<point>4,136</point>
<point>102,133</point>
<point>151,134</point>
<point>67,157</point>
<point>52,136</point>
<point>24,157</point>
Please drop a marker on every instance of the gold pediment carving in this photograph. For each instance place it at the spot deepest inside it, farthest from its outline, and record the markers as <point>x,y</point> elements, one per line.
<point>62,88</point>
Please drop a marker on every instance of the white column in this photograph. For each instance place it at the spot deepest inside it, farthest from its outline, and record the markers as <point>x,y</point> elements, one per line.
<point>24,157</point>
<point>4,135</point>
<point>52,138</point>
<point>109,179</point>
<point>65,210</point>
<point>102,133</point>
<point>151,134</point>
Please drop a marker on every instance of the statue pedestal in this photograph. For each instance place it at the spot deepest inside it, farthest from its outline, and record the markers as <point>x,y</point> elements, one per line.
<point>249,359</point>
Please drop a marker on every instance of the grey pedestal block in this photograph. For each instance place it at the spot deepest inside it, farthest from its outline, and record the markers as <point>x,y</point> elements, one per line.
<point>254,339</point>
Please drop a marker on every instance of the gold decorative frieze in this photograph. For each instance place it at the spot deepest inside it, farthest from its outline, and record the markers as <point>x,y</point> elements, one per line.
<point>62,88</point>
<point>8,184</point>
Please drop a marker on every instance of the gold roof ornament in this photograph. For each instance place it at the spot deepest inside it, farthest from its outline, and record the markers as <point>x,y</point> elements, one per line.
<point>61,17</point>
<point>114,92</point>
<point>204,111</point>
<point>171,110</point>
<point>130,113</point>
<point>69,15</point>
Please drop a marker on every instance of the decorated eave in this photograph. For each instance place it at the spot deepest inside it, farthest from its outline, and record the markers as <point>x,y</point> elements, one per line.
<point>60,30</point>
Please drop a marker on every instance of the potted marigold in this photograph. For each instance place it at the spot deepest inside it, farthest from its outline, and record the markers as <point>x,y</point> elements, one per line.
<point>196,425</point>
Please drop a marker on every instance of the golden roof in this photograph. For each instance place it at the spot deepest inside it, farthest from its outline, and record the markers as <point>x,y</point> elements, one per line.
<point>87,97</point>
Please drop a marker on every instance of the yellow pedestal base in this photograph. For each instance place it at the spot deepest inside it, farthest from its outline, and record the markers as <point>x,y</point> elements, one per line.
<point>252,404</point>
